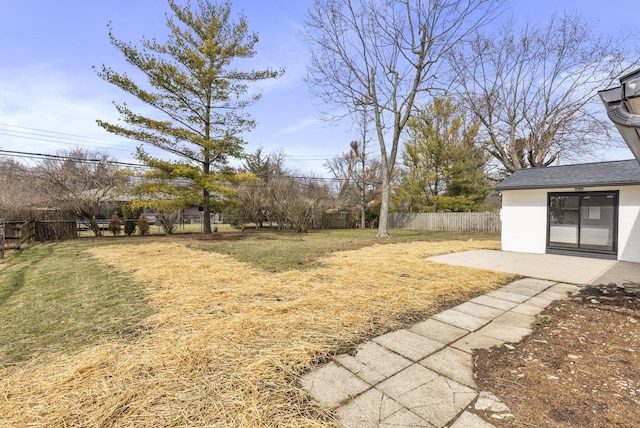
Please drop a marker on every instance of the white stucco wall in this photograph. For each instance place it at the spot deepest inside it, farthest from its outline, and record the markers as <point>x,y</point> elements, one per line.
<point>629,224</point>
<point>524,221</point>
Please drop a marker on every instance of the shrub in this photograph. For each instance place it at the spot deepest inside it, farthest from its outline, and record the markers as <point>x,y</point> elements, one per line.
<point>115,224</point>
<point>131,216</point>
<point>143,225</point>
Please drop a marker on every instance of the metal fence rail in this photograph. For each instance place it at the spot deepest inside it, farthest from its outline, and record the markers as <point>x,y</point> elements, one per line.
<point>487,222</point>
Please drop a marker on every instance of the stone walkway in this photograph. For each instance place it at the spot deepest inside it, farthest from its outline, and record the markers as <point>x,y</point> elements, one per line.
<point>423,376</point>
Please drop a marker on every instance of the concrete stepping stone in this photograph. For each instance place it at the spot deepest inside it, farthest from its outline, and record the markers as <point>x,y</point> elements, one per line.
<point>452,363</point>
<point>461,320</point>
<point>331,384</point>
<point>409,345</point>
<point>431,396</point>
<point>373,363</point>
<point>438,331</point>
<point>373,409</point>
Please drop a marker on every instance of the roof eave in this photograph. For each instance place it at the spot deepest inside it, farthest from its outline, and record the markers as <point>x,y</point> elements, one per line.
<point>617,102</point>
<point>568,185</point>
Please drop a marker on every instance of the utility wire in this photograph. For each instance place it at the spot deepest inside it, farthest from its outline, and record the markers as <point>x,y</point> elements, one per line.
<point>30,155</point>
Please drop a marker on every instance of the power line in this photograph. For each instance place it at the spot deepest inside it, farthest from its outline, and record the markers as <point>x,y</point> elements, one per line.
<point>29,155</point>
<point>64,134</point>
<point>63,138</point>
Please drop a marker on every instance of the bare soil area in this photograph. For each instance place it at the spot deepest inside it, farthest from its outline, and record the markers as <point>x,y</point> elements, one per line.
<point>579,368</point>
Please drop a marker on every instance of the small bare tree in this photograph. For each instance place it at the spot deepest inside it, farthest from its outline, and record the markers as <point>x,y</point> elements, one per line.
<point>17,193</point>
<point>255,196</point>
<point>532,89</point>
<point>383,56</point>
<point>300,202</point>
<point>79,181</point>
<point>357,176</point>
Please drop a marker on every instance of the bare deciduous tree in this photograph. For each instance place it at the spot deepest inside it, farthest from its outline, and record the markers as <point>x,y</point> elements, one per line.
<point>255,197</point>
<point>300,202</point>
<point>79,181</point>
<point>357,174</point>
<point>384,55</point>
<point>533,88</point>
<point>17,193</point>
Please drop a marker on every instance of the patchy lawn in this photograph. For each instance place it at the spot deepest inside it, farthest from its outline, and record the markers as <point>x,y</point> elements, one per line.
<point>225,341</point>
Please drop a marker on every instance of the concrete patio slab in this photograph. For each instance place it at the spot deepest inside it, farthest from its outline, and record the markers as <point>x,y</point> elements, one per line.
<point>438,331</point>
<point>476,341</point>
<point>409,345</point>
<point>373,363</point>
<point>509,297</point>
<point>513,319</point>
<point>375,410</point>
<point>461,320</point>
<point>527,309</point>
<point>619,273</point>
<point>429,395</point>
<point>469,420</point>
<point>477,310</point>
<point>575,270</point>
<point>494,302</point>
<point>504,332</point>
<point>331,384</point>
<point>452,363</point>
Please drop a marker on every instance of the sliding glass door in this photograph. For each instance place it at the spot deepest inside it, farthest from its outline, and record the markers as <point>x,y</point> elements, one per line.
<point>583,221</point>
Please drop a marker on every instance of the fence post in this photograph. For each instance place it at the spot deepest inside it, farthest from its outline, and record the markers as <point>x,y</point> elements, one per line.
<point>1,239</point>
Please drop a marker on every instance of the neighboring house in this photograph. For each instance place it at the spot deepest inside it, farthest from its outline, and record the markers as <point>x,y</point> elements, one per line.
<point>588,209</point>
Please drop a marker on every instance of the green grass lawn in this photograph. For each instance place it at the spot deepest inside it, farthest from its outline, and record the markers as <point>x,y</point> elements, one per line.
<point>54,298</point>
<point>283,251</point>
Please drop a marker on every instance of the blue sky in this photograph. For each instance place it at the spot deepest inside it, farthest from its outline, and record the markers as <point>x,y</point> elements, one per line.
<point>50,96</point>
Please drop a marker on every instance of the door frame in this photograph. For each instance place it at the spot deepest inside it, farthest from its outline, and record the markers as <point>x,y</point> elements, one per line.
<point>577,251</point>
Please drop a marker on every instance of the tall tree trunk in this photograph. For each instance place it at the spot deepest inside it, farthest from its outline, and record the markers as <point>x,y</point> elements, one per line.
<point>206,212</point>
<point>95,227</point>
<point>383,225</point>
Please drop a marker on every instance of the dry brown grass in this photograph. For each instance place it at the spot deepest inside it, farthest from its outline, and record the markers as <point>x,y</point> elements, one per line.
<point>228,342</point>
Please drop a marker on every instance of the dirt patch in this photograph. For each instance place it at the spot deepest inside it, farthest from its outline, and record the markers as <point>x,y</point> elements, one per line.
<point>579,368</point>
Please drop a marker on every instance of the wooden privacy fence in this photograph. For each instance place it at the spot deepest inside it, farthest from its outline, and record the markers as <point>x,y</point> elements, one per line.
<point>1,239</point>
<point>16,234</point>
<point>455,222</point>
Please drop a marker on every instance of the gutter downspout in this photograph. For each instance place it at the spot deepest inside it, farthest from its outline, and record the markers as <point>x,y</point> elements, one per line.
<point>627,122</point>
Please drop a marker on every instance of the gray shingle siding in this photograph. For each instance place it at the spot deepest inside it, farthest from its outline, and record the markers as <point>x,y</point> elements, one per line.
<point>614,173</point>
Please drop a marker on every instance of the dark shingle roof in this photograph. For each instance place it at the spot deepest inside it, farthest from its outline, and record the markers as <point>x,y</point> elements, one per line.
<point>618,173</point>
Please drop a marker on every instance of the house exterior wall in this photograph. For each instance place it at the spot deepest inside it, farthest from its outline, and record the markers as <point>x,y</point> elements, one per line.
<point>524,220</point>
<point>629,224</point>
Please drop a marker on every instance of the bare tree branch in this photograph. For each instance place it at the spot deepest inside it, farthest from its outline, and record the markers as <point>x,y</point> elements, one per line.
<point>386,55</point>
<point>533,89</point>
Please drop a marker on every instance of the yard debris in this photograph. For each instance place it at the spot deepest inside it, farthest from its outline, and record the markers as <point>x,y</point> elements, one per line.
<point>227,341</point>
<point>586,375</point>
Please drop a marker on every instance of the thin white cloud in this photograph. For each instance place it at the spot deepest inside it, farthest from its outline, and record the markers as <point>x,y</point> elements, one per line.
<point>46,110</point>
<point>300,125</point>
